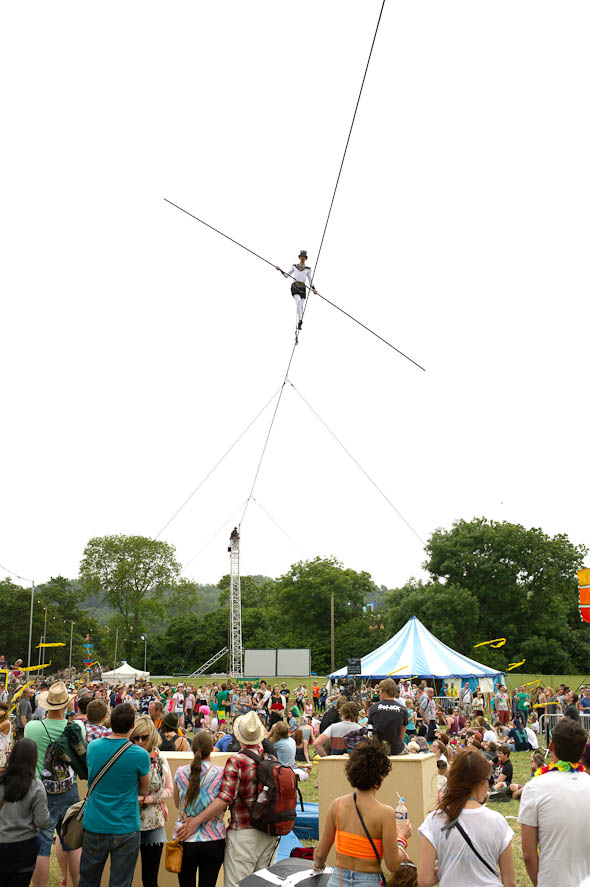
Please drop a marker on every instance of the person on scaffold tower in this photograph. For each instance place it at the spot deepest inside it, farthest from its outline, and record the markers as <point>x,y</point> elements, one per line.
<point>302,275</point>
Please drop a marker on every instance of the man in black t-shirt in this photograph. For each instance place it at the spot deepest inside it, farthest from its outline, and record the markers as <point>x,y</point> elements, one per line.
<point>389,717</point>
<point>501,776</point>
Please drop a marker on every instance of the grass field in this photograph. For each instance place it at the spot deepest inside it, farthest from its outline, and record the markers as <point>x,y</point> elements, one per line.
<point>522,770</point>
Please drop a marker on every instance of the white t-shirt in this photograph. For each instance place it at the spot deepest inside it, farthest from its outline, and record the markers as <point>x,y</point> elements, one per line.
<point>178,703</point>
<point>458,866</point>
<point>558,805</point>
<point>490,736</point>
<point>532,738</point>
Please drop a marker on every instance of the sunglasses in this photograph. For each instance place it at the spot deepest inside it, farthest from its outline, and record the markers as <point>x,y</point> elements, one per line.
<point>142,738</point>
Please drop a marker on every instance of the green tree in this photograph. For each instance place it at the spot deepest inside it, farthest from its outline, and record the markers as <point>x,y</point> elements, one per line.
<point>61,598</point>
<point>525,584</point>
<point>131,572</point>
<point>303,600</point>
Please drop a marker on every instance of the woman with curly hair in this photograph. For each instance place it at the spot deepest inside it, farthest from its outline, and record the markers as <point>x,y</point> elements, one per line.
<point>469,841</point>
<point>348,816</point>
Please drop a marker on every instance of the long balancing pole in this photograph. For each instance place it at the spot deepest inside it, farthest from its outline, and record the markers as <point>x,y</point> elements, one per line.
<point>116,645</point>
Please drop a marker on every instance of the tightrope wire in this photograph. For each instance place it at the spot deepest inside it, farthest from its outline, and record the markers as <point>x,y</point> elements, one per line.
<point>358,464</point>
<point>217,464</point>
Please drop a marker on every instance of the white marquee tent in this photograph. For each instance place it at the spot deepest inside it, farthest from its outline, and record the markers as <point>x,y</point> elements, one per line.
<point>124,674</point>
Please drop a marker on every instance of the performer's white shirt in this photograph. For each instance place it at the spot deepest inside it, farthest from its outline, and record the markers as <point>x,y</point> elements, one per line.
<point>302,276</point>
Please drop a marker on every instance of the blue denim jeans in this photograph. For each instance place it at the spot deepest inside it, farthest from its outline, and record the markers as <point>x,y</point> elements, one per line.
<point>123,850</point>
<point>58,805</point>
<point>348,878</point>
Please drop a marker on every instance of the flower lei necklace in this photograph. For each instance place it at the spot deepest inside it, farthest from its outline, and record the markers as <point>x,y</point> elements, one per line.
<point>561,766</point>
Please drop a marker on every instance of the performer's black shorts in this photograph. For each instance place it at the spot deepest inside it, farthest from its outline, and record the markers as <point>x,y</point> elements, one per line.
<point>298,289</point>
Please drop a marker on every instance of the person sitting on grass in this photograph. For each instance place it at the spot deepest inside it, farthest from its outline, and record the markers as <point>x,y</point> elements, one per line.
<point>366,768</point>
<point>502,772</point>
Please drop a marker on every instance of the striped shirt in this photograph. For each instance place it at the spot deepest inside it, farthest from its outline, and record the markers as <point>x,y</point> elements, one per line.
<point>211,776</point>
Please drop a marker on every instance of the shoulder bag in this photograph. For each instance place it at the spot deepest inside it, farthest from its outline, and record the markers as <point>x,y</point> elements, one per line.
<point>72,829</point>
<point>382,878</point>
<point>468,840</point>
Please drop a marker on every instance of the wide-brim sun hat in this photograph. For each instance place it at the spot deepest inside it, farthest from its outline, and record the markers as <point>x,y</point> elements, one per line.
<point>55,698</point>
<point>249,730</point>
<point>170,720</point>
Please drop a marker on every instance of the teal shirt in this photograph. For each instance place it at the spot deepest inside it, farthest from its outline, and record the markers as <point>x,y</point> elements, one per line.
<point>113,808</point>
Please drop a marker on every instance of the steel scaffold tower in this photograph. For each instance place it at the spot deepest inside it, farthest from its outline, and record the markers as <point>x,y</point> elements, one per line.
<point>235,611</point>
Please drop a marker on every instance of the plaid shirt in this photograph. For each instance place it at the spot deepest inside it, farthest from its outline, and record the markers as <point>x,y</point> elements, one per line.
<point>96,731</point>
<point>239,787</point>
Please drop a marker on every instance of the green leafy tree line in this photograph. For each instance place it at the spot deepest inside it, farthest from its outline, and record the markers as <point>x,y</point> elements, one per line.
<point>487,580</point>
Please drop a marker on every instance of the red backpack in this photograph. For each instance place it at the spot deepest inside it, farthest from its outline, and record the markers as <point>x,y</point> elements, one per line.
<point>274,810</point>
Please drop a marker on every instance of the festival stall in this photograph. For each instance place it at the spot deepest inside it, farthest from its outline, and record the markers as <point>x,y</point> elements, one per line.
<point>416,653</point>
<point>125,674</point>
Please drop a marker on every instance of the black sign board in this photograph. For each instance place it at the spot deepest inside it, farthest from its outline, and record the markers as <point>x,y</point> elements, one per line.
<point>353,666</point>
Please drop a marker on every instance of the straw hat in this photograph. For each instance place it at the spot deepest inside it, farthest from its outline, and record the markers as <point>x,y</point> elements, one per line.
<point>55,698</point>
<point>248,729</point>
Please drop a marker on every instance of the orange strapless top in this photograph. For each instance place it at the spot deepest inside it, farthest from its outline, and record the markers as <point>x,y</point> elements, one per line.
<point>357,846</point>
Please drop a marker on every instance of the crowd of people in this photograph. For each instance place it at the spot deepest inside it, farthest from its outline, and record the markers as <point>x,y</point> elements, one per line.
<point>471,736</point>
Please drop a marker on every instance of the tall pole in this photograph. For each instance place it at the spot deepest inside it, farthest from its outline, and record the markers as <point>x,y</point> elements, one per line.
<point>44,637</point>
<point>71,638</point>
<point>31,622</point>
<point>145,654</point>
<point>116,645</point>
<point>236,666</point>
<point>332,644</point>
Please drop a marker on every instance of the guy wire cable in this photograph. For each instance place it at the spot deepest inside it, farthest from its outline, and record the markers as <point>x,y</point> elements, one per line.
<point>356,107</point>
<point>16,575</point>
<point>278,526</point>
<point>217,464</point>
<point>358,464</point>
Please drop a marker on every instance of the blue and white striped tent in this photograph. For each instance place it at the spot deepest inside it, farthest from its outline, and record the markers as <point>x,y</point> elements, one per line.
<point>414,651</point>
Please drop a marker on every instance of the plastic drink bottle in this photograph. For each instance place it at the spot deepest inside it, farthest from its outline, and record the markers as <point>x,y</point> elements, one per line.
<point>401,811</point>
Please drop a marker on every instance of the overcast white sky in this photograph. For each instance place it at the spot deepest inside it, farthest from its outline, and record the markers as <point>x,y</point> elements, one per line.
<point>137,344</point>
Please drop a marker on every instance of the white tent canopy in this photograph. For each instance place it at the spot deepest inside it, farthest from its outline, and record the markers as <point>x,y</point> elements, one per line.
<point>124,674</point>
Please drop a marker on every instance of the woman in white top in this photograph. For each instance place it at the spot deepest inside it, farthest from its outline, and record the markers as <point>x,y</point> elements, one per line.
<point>5,731</point>
<point>460,817</point>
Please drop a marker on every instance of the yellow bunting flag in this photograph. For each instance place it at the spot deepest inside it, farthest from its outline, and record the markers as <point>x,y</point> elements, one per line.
<point>495,642</point>
<point>49,645</point>
<point>36,667</point>
<point>515,664</point>
<point>530,683</point>
<point>401,668</point>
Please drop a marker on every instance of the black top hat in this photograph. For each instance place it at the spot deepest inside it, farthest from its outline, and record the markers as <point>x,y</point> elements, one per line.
<point>303,252</point>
